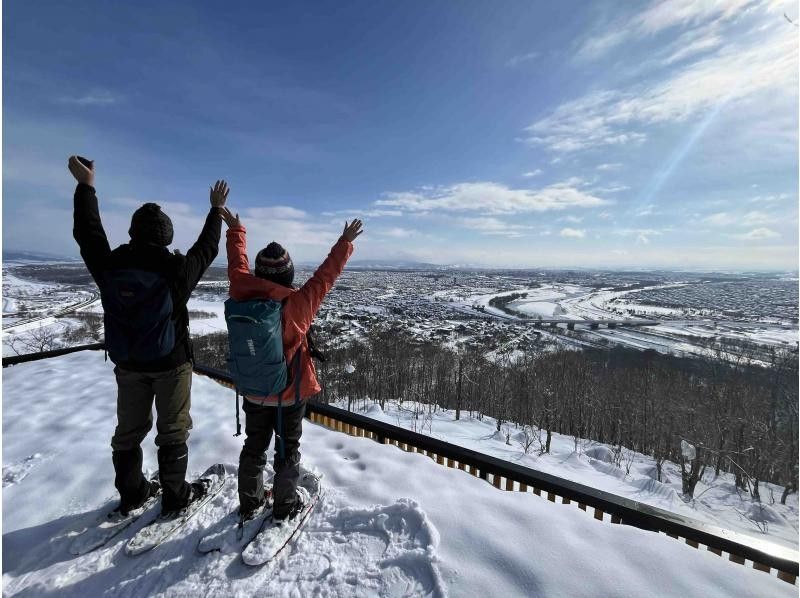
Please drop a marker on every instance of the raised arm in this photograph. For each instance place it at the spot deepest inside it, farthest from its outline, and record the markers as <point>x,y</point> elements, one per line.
<point>236,246</point>
<point>309,297</point>
<point>206,248</point>
<point>87,227</point>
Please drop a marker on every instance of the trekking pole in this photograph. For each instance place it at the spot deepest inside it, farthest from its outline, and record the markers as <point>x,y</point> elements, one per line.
<point>238,423</point>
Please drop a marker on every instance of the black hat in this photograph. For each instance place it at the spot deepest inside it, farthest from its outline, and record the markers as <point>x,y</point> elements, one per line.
<point>151,226</point>
<point>273,263</point>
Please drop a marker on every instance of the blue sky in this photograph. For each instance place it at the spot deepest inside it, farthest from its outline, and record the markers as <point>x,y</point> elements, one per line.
<point>517,134</point>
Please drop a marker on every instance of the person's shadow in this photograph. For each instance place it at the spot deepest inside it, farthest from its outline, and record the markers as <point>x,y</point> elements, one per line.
<point>31,551</point>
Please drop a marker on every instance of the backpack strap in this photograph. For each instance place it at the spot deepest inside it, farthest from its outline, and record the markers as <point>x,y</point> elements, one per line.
<point>297,375</point>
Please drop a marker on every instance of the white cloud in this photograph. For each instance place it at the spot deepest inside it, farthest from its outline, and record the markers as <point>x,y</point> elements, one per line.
<point>752,218</point>
<point>494,226</point>
<point>573,233</point>
<point>493,198</point>
<point>763,65</point>
<point>398,232</point>
<point>685,50</point>
<point>532,173</point>
<point>289,226</point>
<point>573,219</point>
<point>96,98</point>
<point>613,188</point>
<point>648,210</point>
<point>609,166</point>
<point>517,60</point>
<point>664,14</point>
<point>364,213</point>
<point>769,198</point>
<point>758,234</point>
<point>277,212</point>
<point>659,16</point>
<point>597,46</point>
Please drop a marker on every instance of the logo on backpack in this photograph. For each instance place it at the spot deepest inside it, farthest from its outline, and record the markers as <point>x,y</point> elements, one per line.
<point>138,315</point>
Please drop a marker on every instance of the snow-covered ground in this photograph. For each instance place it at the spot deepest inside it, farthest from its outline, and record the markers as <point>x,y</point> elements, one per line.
<point>391,523</point>
<point>716,501</point>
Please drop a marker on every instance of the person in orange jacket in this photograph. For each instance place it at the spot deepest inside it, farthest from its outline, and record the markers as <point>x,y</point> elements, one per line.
<point>274,274</point>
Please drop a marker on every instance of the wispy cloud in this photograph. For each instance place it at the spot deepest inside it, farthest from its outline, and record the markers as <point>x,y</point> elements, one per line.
<point>289,226</point>
<point>573,233</point>
<point>517,60</point>
<point>493,198</point>
<point>532,173</point>
<point>758,234</point>
<point>642,235</point>
<point>97,98</point>
<point>769,198</point>
<point>613,188</point>
<point>277,212</point>
<point>495,226</point>
<point>752,218</point>
<point>609,166</point>
<point>397,232</point>
<point>756,63</point>
<point>686,47</point>
<point>365,213</point>
<point>657,17</point>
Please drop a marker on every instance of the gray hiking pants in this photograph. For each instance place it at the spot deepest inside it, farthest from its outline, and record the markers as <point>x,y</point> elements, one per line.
<point>260,422</point>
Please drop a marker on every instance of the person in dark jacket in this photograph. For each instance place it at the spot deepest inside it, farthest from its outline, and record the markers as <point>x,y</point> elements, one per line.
<point>166,379</point>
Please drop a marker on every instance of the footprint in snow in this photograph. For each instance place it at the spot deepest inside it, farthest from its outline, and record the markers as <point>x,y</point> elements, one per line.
<point>16,472</point>
<point>387,550</point>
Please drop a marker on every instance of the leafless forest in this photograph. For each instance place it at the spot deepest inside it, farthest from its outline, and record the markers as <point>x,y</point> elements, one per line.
<point>740,418</point>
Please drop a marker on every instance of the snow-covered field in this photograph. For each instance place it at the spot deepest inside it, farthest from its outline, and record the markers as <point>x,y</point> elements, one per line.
<point>716,500</point>
<point>391,523</point>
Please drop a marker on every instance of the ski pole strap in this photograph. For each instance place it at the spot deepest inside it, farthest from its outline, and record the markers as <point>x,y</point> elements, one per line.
<point>238,423</point>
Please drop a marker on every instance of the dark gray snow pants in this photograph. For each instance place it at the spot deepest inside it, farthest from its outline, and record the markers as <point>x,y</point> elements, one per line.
<point>260,422</point>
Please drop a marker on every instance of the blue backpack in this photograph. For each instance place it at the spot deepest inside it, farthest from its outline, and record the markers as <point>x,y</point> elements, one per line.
<point>255,338</point>
<point>138,315</point>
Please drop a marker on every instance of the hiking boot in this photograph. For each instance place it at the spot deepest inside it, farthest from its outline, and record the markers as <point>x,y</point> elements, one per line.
<point>153,489</point>
<point>197,491</point>
<point>249,514</point>
<point>290,512</point>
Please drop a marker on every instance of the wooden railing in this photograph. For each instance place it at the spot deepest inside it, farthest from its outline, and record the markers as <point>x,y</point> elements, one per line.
<point>762,555</point>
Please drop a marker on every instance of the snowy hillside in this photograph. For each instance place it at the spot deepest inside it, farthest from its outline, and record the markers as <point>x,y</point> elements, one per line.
<point>391,523</point>
<point>717,500</point>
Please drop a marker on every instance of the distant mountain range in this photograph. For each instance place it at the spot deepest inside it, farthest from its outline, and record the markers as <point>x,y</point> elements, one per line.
<point>393,265</point>
<point>35,256</point>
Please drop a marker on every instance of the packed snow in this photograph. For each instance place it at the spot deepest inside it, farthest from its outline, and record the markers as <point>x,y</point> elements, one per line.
<point>390,523</point>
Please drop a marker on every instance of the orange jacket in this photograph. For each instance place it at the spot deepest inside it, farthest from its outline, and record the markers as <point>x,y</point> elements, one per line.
<point>299,306</point>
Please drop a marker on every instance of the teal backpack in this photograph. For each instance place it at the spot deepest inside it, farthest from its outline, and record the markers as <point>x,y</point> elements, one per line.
<point>256,363</point>
<point>255,339</point>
